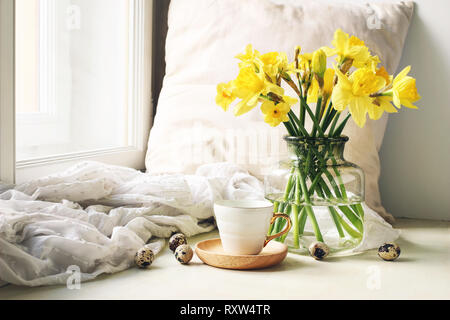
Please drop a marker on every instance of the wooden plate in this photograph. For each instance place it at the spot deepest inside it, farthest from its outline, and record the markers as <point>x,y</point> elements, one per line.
<point>211,253</point>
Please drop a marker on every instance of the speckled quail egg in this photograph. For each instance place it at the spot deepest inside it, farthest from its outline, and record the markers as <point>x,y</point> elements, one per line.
<point>319,250</point>
<point>144,257</point>
<point>184,254</point>
<point>389,251</point>
<point>177,240</point>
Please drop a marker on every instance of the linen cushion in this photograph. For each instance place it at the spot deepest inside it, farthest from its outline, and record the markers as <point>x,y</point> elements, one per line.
<point>204,37</point>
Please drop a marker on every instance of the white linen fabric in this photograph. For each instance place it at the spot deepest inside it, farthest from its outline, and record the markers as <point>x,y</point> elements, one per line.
<point>204,35</point>
<point>95,217</point>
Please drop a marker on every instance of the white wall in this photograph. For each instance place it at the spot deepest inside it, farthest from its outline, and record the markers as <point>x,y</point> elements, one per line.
<point>415,157</point>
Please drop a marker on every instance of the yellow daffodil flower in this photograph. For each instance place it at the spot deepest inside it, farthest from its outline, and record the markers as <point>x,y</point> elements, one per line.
<point>355,93</point>
<point>271,61</point>
<point>225,95</point>
<point>304,62</point>
<point>381,103</point>
<point>349,48</point>
<point>249,86</point>
<point>274,113</point>
<point>304,68</point>
<point>404,90</point>
<point>249,58</point>
<point>276,64</point>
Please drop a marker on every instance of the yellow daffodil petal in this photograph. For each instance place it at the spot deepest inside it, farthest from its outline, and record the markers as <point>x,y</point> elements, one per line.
<point>381,72</point>
<point>343,80</point>
<point>340,40</point>
<point>328,80</point>
<point>245,106</point>
<point>408,104</point>
<point>358,109</point>
<point>340,98</point>
<point>225,95</point>
<point>249,54</point>
<point>329,51</point>
<point>365,82</point>
<point>313,92</point>
<point>375,112</point>
<point>289,101</point>
<point>274,114</point>
<point>403,73</point>
<point>404,90</point>
<point>385,102</point>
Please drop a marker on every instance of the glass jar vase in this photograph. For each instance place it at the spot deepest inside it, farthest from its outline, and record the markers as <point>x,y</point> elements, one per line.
<point>322,193</point>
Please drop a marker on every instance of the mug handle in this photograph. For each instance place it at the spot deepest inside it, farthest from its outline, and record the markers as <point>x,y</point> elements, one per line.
<point>279,234</point>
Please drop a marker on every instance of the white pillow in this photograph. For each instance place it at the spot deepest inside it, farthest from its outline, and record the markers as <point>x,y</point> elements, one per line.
<point>204,37</point>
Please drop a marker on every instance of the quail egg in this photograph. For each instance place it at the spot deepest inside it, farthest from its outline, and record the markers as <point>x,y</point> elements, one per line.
<point>144,257</point>
<point>389,251</point>
<point>184,254</point>
<point>177,240</point>
<point>319,250</point>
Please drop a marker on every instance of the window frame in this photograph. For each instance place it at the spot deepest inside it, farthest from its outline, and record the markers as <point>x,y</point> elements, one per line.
<point>139,104</point>
<point>7,92</point>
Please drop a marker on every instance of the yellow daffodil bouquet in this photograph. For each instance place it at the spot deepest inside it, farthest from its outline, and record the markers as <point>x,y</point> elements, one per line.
<point>354,87</point>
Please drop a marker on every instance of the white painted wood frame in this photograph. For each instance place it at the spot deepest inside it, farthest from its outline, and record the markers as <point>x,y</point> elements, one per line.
<point>139,106</point>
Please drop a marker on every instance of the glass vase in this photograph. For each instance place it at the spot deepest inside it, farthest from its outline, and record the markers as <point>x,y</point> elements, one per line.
<point>322,193</point>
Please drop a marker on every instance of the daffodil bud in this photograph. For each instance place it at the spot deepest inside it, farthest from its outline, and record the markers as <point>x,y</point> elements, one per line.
<point>298,49</point>
<point>319,62</point>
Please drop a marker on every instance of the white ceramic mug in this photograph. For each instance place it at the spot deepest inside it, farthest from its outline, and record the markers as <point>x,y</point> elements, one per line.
<point>244,224</point>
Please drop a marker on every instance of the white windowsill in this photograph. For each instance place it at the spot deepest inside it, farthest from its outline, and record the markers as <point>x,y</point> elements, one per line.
<point>420,273</point>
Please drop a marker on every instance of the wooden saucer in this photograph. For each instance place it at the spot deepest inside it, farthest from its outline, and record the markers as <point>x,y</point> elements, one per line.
<point>211,253</point>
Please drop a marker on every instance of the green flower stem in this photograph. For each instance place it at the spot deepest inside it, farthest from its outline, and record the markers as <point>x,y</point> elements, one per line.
<point>329,115</point>
<point>313,117</point>
<point>276,205</point>
<point>308,206</point>
<point>288,194</point>
<point>326,172</point>
<point>351,216</point>
<point>335,215</point>
<point>295,212</point>
<point>354,219</point>
<point>302,221</point>
<point>352,232</point>
<point>333,126</point>
<point>295,120</point>
<point>281,206</point>
<point>289,128</point>
<point>330,177</point>
<point>359,209</point>
<point>317,115</point>
<point>293,123</point>
<point>341,127</point>
<point>282,222</point>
